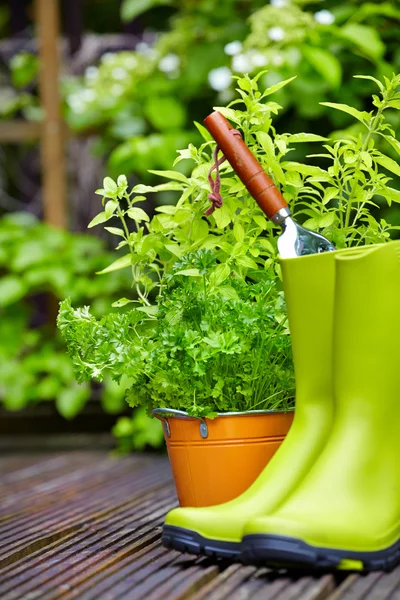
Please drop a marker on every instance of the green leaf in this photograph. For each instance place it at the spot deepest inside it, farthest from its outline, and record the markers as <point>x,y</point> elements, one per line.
<point>357,114</point>
<point>327,220</point>
<point>219,275</point>
<point>109,185</point>
<point>238,232</point>
<point>163,187</point>
<point>305,137</point>
<point>189,272</point>
<point>122,302</point>
<point>205,134</point>
<point>170,175</point>
<point>391,194</point>
<point>261,221</point>
<point>325,63</point>
<point>149,310</point>
<point>329,194</point>
<point>120,263</point>
<point>304,169</point>
<point>115,231</point>
<point>276,87</point>
<point>266,143</point>
<point>388,163</point>
<point>122,181</point>
<point>366,159</point>
<point>222,217</point>
<point>244,84</point>
<point>12,289</point>
<point>137,214</point>
<point>228,113</point>
<point>71,401</point>
<point>227,292</point>
<point>378,83</point>
<point>246,261</point>
<point>167,209</point>
<point>100,218</point>
<point>131,9</point>
<point>110,207</point>
<point>366,38</point>
<point>165,112</point>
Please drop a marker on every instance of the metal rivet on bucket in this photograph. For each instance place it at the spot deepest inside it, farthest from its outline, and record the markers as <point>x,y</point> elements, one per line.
<point>203,429</point>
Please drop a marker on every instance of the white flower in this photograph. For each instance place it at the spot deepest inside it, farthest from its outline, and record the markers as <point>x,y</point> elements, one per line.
<point>76,103</point>
<point>169,63</point>
<point>220,79</point>
<point>278,3</point>
<point>130,62</point>
<point>276,34</point>
<point>233,48</point>
<point>277,59</point>
<point>241,63</point>
<point>324,17</point>
<point>258,59</point>
<point>88,95</point>
<point>145,49</point>
<point>108,58</point>
<point>142,47</point>
<point>116,89</point>
<point>91,72</point>
<point>119,73</point>
<point>226,96</point>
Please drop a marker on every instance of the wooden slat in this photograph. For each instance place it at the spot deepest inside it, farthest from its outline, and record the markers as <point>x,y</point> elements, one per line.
<point>52,140</point>
<point>374,586</point>
<point>85,526</point>
<point>19,131</point>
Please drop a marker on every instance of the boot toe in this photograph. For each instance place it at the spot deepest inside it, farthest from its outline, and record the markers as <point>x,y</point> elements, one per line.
<point>208,522</point>
<point>276,525</point>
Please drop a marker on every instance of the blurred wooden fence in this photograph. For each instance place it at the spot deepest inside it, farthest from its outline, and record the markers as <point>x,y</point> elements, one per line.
<point>51,131</point>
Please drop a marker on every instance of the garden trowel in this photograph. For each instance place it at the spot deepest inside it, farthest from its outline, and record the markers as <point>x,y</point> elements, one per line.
<point>295,240</point>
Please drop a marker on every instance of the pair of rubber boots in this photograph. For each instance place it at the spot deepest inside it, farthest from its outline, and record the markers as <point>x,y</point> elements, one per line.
<point>330,496</point>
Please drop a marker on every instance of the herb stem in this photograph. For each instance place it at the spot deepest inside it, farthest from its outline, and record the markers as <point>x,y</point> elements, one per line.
<point>364,147</point>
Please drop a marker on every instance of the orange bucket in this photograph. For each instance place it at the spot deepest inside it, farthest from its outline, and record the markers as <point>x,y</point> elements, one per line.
<point>215,460</point>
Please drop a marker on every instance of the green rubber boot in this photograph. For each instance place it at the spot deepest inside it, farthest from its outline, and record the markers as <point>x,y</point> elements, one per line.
<point>309,284</point>
<point>345,513</point>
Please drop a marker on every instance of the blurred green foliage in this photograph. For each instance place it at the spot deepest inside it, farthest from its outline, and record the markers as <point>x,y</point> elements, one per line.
<point>141,104</point>
<point>138,101</point>
<point>152,95</point>
<point>39,264</point>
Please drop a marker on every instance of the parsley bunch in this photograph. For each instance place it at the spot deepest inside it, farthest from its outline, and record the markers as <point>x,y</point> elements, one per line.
<point>202,352</point>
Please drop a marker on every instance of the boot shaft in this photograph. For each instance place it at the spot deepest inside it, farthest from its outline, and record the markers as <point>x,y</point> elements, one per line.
<point>366,338</point>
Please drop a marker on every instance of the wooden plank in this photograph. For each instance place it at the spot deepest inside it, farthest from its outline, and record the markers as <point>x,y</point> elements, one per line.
<point>52,140</point>
<point>374,586</point>
<point>266,584</point>
<point>19,131</point>
<point>85,526</point>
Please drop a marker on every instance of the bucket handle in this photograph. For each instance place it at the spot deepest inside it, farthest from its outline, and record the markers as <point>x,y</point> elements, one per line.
<point>162,415</point>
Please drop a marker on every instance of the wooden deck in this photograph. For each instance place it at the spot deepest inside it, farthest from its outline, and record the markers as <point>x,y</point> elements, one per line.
<point>83,525</point>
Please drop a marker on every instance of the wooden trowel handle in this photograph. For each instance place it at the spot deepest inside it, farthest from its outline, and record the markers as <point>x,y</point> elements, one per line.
<point>245,164</point>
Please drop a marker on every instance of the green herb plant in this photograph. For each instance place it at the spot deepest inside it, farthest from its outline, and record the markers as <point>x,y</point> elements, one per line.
<point>205,330</point>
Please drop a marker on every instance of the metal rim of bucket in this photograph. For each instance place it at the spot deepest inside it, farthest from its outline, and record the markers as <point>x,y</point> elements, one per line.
<point>163,413</point>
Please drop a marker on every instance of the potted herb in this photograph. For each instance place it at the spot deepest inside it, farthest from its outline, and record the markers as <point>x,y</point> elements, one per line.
<point>205,334</point>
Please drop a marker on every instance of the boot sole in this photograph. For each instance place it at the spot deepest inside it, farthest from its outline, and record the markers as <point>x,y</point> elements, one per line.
<point>186,540</point>
<point>278,549</point>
